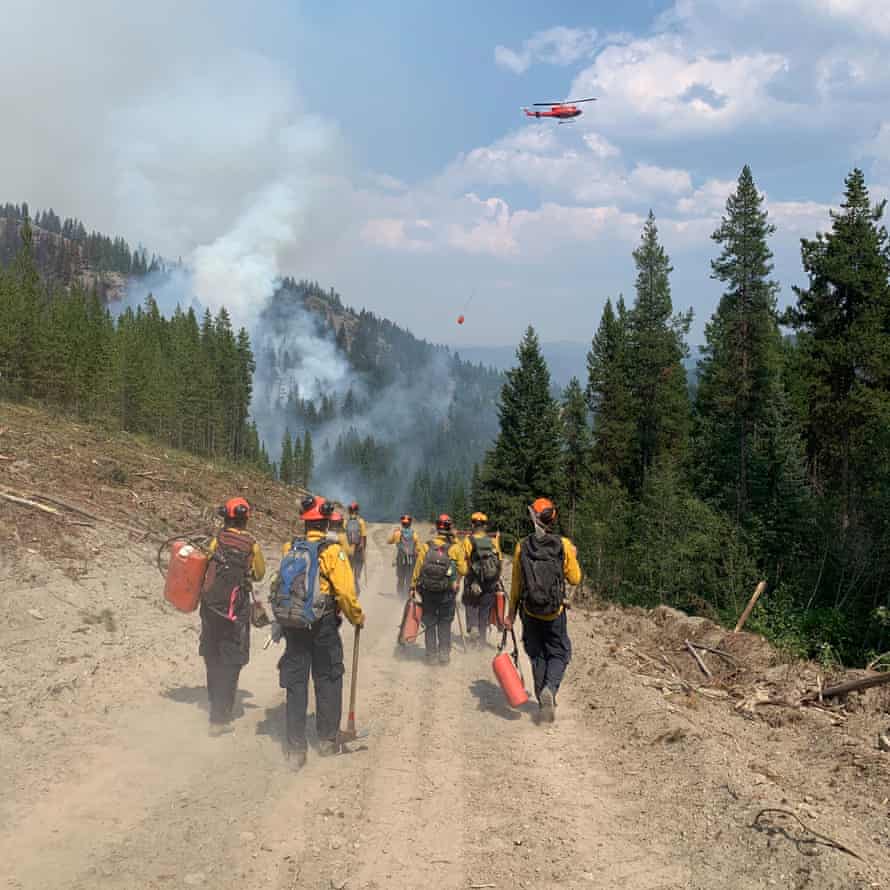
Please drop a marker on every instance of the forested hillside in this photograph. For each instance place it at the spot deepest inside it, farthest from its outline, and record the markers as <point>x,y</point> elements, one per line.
<point>396,422</point>
<point>777,467</point>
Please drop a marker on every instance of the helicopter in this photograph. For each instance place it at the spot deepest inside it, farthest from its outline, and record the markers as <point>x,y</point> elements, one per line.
<point>564,112</point>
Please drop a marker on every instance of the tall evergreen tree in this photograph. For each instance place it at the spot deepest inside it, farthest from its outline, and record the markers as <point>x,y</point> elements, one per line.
<point>286,461</point>
<point>657,350</point>
<point>843,320</point>
<point>610,397</point>
<point>525,461</point>
<point>308,462</point>
<point>740,372</point>
<point>577,449</point>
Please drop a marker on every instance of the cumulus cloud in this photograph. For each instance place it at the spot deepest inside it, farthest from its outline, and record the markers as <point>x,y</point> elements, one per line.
<point>555,46</point>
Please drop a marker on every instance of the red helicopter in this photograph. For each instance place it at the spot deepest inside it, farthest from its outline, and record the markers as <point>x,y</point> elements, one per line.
<point>562,111</point>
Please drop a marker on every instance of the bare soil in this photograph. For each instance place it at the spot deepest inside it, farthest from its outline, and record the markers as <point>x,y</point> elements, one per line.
<point>653,776</point>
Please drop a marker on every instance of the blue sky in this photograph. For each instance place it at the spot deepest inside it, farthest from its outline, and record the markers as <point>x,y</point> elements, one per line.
<point>380,148</point>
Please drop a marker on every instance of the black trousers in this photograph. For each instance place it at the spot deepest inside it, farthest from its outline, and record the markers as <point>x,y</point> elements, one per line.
<point>225,647</point>
<point>438,613</point>
<point>317,650</point>
<point>478,608</point>
<point>357,560</point>
<point>549,649</point>
<point>404,571</point>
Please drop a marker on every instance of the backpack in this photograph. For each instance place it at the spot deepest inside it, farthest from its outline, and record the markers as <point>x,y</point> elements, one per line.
<point>294,595</point>
<point>354,532</point>
<point>484,560</point>
<point>226,579</point>
<point>437,571</point>
<point>406,552</point>
<point>541,563</point>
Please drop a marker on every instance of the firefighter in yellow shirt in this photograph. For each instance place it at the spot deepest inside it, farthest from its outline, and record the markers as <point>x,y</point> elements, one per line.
<point>440,563</point>
<point>407,544</point>
<point>542,564</point>
<point>318,649</point>
<point>236,560</point>
<point>357,539</point>
<point>483,555</point>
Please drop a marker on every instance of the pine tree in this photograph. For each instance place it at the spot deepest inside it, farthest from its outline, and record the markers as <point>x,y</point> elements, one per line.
<point>577,449</point>
<point>657,350</point>
<point>308,462</point>
<point>286,461</point>
<point>610,398</point>
<point>739,373</point>
<point>525,461</point>
<point>842,319</point>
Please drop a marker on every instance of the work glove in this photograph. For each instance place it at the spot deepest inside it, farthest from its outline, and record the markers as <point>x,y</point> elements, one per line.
<point>276,632</point>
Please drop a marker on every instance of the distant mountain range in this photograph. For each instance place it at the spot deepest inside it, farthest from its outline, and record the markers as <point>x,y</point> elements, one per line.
<point>565,358</point>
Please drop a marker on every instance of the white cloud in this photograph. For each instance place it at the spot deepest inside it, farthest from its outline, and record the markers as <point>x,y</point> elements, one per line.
<point>601,146</point>
<point>650,179</point>
<point>662,82</point>
<point>555,46</point>
<point>396,234</point>
<point>869,15</point>
<point>709,198</point>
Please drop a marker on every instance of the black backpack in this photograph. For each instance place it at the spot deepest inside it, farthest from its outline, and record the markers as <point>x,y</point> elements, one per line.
<point>354,532</point>
<point>484,561</point>
<point>226,581</point>
<point>437,571</point>
<point>541,564</point>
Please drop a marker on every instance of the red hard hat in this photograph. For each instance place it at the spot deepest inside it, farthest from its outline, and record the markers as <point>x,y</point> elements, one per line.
<point>336,517</point>
<point>353,507</point>
<point>237,508</point>
<point>315,509</point>
<point>443,523</point>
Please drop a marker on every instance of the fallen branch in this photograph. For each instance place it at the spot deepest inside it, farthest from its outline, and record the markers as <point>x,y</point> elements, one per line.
<point>25,502</point>
<point>829,842</point>
<point>758,591</point>
<point>718,652</point>
<point>698,659</point>
<point>849,686</point>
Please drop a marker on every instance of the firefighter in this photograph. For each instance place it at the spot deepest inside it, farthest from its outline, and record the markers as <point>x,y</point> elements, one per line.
<point>236,560</point>
<point>357,538</point>
<point>483,555</point>
<point>337,533</point>
<point>542,564</point>
<point>318,649</point>
<point>440,564</point>
<point>407,544</point>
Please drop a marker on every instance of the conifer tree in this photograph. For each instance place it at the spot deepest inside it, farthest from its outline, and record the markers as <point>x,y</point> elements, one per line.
<point>286,461</point>
<point>610,397</point>
<point>525,461</point>
<point>577,449</point>
<point>842,319</point>
<point>739,374</point>
<point>308,461</point>
<point>657,350</point>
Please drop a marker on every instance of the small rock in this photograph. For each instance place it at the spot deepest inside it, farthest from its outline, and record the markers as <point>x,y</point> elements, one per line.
<point>35,614</point>
<point>339,884</point>
<point>884,741</point>
<point>336,842</point>
<point>196,878</point>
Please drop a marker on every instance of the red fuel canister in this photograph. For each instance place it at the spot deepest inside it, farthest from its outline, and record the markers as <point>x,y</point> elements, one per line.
<point>411,617</point>
<point>185,576</point>
<point>506,670</point>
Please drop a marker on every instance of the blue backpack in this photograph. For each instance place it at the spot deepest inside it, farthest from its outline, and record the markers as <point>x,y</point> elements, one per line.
<point>295,597</point>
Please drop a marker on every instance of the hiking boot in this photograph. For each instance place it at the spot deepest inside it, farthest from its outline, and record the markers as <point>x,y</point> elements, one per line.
<point>444,658</point>
<point>548,705</point>
<point>218,729</point>
<point>296,760</point>
<point>327,747</point>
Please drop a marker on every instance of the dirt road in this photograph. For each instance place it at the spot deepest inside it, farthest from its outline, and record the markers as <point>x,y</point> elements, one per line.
<point>117,785</point>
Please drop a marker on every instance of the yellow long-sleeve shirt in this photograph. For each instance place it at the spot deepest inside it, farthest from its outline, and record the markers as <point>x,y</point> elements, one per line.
<point>396,536</point>
<point>570,567</point>
<point>455,553</point>
<point>336,578</point>
<point>257,560</point>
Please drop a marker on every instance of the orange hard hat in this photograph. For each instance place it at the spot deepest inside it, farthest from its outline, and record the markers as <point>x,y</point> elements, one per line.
<point>443,523</point>
<point>478,517</point>
<point>237,508</point>
<point>315,509</point>
<point>545,510</point>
